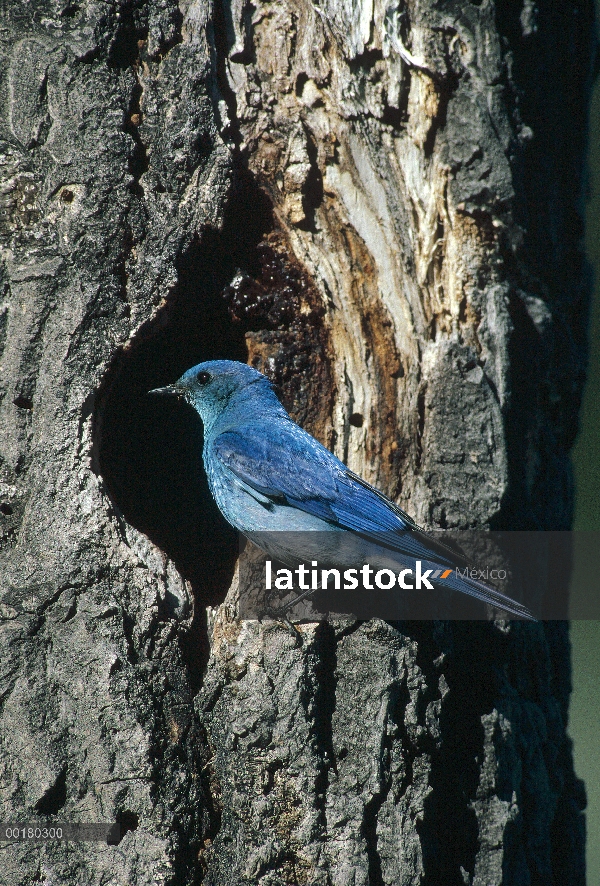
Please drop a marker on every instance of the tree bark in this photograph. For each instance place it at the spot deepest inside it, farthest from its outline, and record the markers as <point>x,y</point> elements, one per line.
<point>379,206</point>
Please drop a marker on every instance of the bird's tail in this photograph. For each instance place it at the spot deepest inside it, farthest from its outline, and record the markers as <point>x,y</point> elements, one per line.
<point>488,594</point>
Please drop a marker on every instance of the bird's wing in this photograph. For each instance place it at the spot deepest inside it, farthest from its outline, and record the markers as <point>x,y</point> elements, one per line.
<point>282,463</point>
<point>286,465</point>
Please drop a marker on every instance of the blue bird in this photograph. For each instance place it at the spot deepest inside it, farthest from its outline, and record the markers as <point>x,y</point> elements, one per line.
<point>273,480</point>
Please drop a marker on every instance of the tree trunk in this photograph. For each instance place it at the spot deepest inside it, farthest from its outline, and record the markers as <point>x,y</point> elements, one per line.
<point>379,207</point>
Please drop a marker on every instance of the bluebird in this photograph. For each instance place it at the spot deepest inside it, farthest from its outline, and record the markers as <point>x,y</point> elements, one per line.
<point>276,484</point>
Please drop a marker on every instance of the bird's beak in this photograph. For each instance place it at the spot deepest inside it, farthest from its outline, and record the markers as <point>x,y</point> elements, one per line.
<point>169,390</point>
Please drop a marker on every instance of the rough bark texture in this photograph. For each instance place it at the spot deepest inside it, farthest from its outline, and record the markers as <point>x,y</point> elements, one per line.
<point>380,206</point>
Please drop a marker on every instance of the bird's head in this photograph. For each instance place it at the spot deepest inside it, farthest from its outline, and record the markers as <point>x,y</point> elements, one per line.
<point>217,385</point>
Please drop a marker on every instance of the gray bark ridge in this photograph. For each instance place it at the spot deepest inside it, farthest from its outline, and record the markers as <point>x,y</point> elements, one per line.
<point>380,194</point>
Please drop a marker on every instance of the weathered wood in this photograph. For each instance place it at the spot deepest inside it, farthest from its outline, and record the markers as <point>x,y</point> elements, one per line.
<point>380,207</point>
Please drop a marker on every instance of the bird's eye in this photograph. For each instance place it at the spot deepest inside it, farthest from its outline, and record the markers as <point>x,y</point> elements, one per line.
<point>203,378</point>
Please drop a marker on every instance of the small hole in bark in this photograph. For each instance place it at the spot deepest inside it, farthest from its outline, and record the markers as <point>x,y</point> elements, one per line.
<point>356,420</point>
<point>55,797</point>
<point>394,117</point>
<point>123,51</point>
<point>138,159</point>
<point>6,509</point>
<point>23,402</point>
<point>301,81</point>
<point>399,373</point>
<point>127,821</point>
<point>313,186</point>
<point>66,195</point>
<point>70,11</point>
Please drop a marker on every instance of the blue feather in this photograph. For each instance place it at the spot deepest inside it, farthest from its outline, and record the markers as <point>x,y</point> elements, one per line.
<point>267,473</point>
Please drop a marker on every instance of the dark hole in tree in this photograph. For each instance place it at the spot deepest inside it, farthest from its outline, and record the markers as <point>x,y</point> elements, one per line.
<point>356,420</point>
<point>23,402</point>
<point>127,821</point>
<point>150,447</point>
<point>55,797</point>
<point>70,11</point>
<point>5,509</point>
<point>123,50</point>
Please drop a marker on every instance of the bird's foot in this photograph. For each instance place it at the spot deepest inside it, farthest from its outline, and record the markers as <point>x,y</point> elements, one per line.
<point>280,615</point>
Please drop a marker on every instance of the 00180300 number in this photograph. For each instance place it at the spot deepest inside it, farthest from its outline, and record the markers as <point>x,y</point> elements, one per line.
<point>18,832</point>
